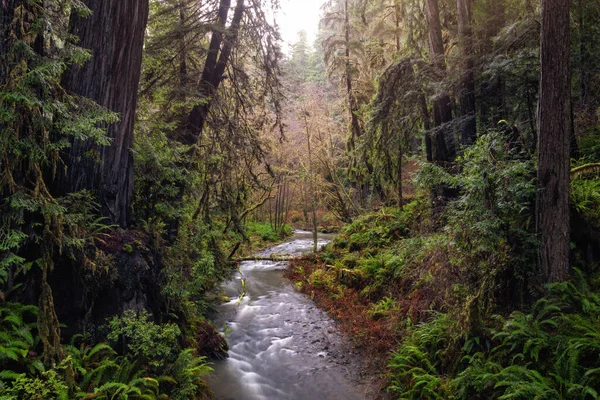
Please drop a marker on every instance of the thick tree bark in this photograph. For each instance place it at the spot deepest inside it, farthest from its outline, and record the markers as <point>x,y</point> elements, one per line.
<point>443,141</point>
<point>554,127</point>
<point>115,35</point>
<point>219,52</point>
<point>468,124</point>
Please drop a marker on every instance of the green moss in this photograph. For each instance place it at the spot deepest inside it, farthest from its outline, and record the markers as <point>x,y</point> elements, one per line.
<point>127,249</point>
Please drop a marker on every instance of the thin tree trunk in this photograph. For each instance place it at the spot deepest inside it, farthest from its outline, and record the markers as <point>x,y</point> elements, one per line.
<point>443,141</point>
<point>183,74</point>
<point>354,125</point>
<point>305,205</point>
<point>397,21</point>
<point>489,93</point>
<point>115,35</point>
<point>426,127</point>
<point>554,125</point>
<point>468,124</point>
<point>311,184</point>
<point>399,173</point>
<point>288,203</point>
<point>530,114</point>
<point>583,73</point>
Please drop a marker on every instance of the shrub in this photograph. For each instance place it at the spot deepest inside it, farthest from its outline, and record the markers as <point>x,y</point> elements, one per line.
<point>143,339</point>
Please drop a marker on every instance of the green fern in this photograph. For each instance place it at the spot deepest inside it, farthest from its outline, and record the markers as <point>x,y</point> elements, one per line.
<point>86,358</point>
<point>17,327</point>
<point>527,335</point>
<point>417,366</point>
<point>520,382</point>
<point>121,379</point>
<point>553,352</point>
<point>190,371</point>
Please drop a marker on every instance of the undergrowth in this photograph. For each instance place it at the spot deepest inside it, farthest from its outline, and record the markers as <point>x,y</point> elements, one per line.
<point>142,361</point>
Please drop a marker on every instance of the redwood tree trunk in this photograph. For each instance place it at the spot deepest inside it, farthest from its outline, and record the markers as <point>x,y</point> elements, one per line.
<point>115,35</point>
<point>554,141</point>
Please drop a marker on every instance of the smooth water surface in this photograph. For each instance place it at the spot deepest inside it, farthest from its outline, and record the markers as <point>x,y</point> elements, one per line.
<point>282,347</point>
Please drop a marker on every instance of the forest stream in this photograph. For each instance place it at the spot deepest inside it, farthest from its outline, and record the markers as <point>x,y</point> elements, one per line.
<point>281,345</point>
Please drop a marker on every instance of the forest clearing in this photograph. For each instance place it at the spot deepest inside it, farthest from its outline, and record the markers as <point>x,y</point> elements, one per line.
<point>296,200</point>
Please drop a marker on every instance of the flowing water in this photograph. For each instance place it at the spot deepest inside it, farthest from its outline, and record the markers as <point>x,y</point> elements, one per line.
<point>282,347</point>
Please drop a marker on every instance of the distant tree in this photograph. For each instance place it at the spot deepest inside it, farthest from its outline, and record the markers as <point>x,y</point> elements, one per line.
<point>298,65</point>
<point>443,142</point>
<point>468,123</point>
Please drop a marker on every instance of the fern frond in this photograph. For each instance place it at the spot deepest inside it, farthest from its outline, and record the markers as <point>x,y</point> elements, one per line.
<point>99,349</point>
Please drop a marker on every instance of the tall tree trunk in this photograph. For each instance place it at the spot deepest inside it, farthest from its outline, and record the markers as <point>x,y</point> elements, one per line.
<point>115,35</point>
<point>183,73</point>
<point>354,125</point>
<point>219,52</point>
<point>554,126</point>
<point>491,94</point>
<point>443,141</point>
<point>583,56</point>
<point>468,124</point>
<point>312,194</point>
<point>397,19</point>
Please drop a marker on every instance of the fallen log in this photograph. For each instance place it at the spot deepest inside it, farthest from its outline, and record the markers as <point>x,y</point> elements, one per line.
<point>263,258</point>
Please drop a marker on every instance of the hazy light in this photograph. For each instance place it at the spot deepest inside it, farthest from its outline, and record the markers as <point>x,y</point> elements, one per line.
<point>297,15</point>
